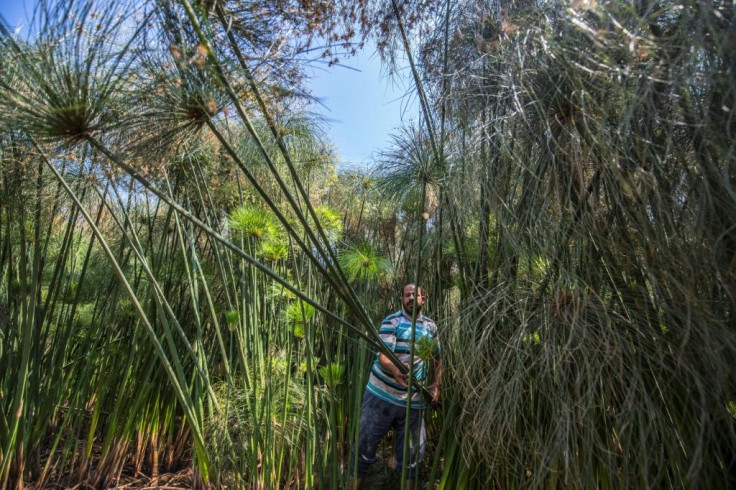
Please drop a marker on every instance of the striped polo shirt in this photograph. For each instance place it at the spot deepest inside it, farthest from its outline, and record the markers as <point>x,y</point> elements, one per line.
<point>396,334</point>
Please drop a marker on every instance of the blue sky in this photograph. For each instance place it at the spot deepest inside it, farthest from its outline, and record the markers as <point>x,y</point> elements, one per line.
<point>362,107</point>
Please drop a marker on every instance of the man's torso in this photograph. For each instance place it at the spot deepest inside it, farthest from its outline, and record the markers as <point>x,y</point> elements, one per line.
<point>396,334</point>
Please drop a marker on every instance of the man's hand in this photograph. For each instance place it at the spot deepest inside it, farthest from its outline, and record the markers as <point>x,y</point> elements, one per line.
<point>401,378</point>
<point>435,390</point>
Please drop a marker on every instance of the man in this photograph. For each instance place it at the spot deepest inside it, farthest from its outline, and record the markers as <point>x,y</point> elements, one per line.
<point>384,400</point>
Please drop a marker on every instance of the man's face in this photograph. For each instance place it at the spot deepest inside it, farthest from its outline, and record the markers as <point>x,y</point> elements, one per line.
<point>407,299</point>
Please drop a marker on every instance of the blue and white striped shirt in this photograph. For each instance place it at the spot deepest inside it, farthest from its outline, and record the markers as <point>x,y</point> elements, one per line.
<point>396,334</point>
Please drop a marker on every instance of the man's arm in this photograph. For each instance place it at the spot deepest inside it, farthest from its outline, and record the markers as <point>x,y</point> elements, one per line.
<point>434,388</point>
<point>387,333</point>
<point>389,366</point>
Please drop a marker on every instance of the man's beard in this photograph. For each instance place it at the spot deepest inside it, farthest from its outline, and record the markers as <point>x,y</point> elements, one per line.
<point>408,309</point>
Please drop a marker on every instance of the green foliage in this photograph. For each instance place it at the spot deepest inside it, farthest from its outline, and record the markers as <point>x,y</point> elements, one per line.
<point>273,250</point>
<point>569,192</point>
<point>232,318</point>
<point>426,349</point>
<point>303,365</point>
<point>299,330</point>
<point>299,313</point>
<point>255,222</point>
<point>332,374</point>
<point>731,408</point>
<point>330,220</point>
<point>279,293</point>
<point>596,224</point>
<point>235,434</point>
<point>364,263</point>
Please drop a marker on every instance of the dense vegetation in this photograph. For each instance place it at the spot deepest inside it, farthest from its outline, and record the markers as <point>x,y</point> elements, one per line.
<point>188,279</point>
